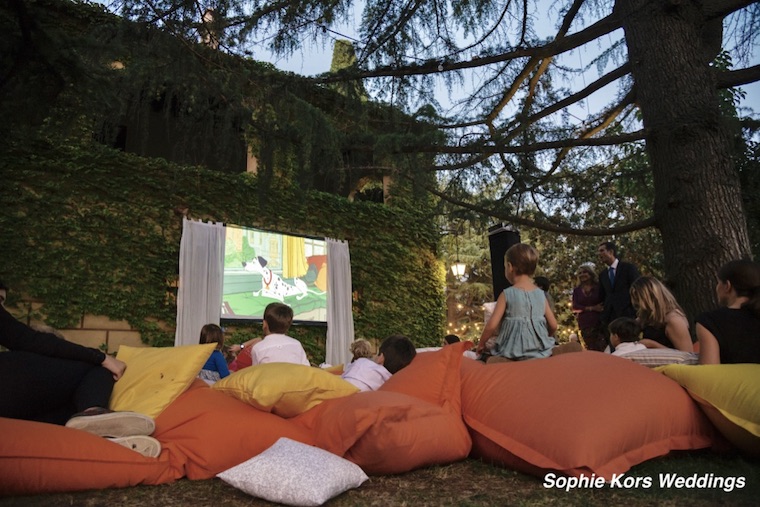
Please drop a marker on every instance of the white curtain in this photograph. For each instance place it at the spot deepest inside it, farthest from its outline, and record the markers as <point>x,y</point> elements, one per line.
<point>340,319</point>
<point>201,271</point>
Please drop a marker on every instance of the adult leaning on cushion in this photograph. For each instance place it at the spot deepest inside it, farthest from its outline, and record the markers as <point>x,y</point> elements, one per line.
<point>731,334</point>
<point>48,379</point>
<point>44,378</point>
<point>661,317</point>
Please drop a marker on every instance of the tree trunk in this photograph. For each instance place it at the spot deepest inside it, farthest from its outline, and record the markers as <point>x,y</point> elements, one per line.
<point>698,206</point>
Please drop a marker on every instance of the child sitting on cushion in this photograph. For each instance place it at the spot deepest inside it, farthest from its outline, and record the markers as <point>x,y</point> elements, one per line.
<point>216,367</point>
<point>522,321</point>
<point>624,336</point>
<point>396,352</point>
<point>276,346</point>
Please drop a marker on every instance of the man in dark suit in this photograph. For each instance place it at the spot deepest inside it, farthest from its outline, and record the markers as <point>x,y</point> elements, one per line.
<point>615,283</point>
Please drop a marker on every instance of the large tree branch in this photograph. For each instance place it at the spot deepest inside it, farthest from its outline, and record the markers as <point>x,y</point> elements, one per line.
<point>547,145</point>
<point>607,119</point>
<point>545,226</point>
<point>729,79</point>
<point>722,8</point>
<point>556,47</point>
<point>582,94</point>
<point>544,65</point>
<point>597,85</point>
<point>750,123</point>
<point>540,65</point>
<point>469,162</point>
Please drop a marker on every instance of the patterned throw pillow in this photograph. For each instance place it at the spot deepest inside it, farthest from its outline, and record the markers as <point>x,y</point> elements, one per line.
<point>293,473</point>
<point>652,358</point>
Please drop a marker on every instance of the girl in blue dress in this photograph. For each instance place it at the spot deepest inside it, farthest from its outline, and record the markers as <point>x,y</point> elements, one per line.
<point>522,320</point>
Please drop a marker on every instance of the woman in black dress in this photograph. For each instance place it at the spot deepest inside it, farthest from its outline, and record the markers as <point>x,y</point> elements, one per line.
<point>731,334</point>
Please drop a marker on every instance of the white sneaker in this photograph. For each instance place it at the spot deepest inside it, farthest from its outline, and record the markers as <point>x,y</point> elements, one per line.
<point>107,423</point>
<point>145,445</point>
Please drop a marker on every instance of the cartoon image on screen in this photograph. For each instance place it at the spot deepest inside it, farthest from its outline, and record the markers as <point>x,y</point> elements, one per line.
<point>261,267</point>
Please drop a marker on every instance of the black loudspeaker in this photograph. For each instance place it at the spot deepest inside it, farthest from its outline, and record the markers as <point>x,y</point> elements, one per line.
<point>500,238</point>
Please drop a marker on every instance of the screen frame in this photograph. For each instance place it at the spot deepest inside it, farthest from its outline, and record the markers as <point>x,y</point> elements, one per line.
<point>256,321</point>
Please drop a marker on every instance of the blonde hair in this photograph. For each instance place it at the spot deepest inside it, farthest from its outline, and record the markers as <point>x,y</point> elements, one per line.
<point>588,269</point>
<point>653,301</point>
<point>523,257</point>
<point>361,348</point>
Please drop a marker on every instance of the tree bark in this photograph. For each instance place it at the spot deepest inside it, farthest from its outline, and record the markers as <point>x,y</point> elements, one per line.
<point>698,205</point>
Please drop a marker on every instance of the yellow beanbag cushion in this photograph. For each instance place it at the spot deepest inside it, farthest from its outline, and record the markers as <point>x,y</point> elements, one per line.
<point>156,376</point>
<point>729,394</point>
<point>284,389</point>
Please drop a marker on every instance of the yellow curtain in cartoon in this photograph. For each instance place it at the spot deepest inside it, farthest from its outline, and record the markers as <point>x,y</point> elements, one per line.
<point>293,258</point>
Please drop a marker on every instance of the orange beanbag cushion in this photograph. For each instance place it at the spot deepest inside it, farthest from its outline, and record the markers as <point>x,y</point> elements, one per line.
<point>40,458</point>
<point>432,376</point>
<point>586,413</point>
<point>386,432</point>
<point>205,432</point>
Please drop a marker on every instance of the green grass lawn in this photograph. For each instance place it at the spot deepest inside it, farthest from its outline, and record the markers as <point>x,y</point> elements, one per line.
<point>467,483</point>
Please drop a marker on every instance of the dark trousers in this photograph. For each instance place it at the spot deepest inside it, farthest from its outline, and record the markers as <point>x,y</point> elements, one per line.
<point>48,389</point>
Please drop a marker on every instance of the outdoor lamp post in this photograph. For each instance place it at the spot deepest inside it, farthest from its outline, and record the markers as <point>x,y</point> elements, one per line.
<point>458,269</point>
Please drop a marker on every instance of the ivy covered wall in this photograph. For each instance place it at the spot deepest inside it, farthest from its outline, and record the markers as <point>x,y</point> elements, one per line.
<point>89,230</point>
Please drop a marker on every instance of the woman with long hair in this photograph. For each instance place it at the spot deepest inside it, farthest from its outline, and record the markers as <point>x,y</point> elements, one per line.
<point>588,307</point>
<point>663,320</point>
<point>731,334</point>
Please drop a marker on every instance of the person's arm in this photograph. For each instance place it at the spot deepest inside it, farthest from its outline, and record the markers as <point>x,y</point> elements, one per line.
<point>677,331</point>
<point>236,348</point>
<point>577,307</point>
<point>709,348</point>
<point>15,335</point>
<point>551,320</point>
<point>492,326</point>
<point>651,344</point>
<point>115,366</point>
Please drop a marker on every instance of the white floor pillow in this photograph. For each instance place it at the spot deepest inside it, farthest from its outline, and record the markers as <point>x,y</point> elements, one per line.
<point>293,473</point>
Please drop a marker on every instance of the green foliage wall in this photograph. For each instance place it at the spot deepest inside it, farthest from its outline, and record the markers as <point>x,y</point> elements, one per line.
<point>86,229</point>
